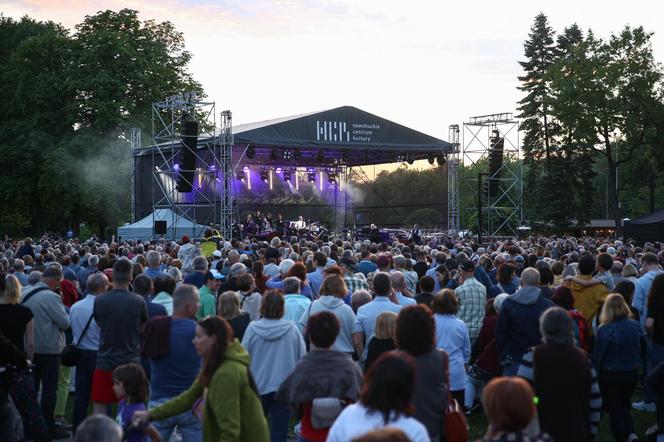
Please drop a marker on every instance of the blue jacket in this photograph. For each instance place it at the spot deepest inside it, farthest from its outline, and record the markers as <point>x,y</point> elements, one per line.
<point>517,328</point>
<point>619,345</point>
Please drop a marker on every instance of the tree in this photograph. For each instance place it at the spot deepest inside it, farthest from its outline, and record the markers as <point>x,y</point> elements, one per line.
<point>70,101</point>
<point>606,94</point>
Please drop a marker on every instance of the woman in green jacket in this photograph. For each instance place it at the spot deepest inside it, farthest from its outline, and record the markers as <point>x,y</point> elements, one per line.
<point>224,394</point>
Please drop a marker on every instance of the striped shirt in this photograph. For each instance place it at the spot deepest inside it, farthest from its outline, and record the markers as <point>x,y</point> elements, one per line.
<point>526,371</point>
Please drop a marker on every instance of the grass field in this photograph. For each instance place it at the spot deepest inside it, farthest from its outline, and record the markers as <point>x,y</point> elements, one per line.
<point>478,422</point>
<point>642,421</point>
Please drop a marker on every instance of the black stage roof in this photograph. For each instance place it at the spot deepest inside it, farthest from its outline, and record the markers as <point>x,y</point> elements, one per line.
<point>341,136</point>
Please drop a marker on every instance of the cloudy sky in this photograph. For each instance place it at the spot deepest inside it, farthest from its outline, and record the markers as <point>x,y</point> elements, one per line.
<point>425,64</point>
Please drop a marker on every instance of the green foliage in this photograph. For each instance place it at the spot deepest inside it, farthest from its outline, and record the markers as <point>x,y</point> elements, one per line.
<point>585,97</point>
<point>71,98</point>
<point>394,198</point>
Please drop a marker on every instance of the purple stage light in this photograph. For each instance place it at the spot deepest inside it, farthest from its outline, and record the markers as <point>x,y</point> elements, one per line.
<point>176,167</point>
<point>278,170</point>
<point>245,169</point>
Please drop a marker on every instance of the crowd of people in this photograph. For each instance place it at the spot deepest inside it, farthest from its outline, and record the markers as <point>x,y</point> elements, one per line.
<point>339,341</point>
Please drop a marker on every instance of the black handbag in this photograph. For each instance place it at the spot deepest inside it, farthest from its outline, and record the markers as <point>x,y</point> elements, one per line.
<point>70,354</point>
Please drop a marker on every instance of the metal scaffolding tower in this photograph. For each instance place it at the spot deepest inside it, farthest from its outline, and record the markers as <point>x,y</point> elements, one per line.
<point>225,158</point>
<point>134,145</point>
<point>453,181</point>
<point>492,155</point>
<point>200,205</point>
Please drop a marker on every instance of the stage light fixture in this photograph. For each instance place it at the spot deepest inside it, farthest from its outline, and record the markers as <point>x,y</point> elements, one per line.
<point>311,175</point>
<point>278,170</point>
<point>431,159</point>
<point>176,167</point>
<point>288,155</point>
<point>245,169</point>
<point>331,176</point>
<point>320,156</point>
<point>441,160</point>
<point>273,155</point>
<point>297,155</point>
<point>251,152</point>
<point>265,175</point>
<point>240,175</point>
<point>409,159</point>
<point>287,175</point>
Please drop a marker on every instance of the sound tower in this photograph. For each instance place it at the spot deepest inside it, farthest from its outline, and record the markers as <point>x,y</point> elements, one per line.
<point>188,157</point>
<point>496,147</point>
<point>160,227</point>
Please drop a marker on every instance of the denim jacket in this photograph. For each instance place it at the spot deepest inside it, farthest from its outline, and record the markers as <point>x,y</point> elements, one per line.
<point>619,345</point>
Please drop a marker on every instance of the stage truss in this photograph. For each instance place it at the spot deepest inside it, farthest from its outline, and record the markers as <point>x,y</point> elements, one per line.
<point>453,181</point>
<point>134,146</point>
<point>502,213</point>
<point>201,205</point>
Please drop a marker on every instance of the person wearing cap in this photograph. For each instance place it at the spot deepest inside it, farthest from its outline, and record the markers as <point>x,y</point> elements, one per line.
<point>518,321</point>
<point>277,281</point>
<point>216,259</point>
<point>472,299</point>
<point>352,281</point>
<point>208,300</point>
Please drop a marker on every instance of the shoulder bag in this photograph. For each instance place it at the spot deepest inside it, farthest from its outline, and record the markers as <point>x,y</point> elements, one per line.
<point>70,354</point>
<point>455,425</point>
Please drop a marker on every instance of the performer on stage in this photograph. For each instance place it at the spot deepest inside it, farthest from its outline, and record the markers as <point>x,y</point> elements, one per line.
<point>268,222</point>
<point>300,224</point>
<point>415,234</point>
<point>279,224</point>
<point>374,234</point>
<point>249,225</point>
<point>260,222</point>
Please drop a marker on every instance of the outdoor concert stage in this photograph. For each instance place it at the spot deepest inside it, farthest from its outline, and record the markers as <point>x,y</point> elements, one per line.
<point>297,165</point>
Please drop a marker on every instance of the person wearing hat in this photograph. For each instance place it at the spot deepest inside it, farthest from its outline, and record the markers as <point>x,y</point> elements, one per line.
<point>208,300</point>
<point>216,259</point>
<point>472,299</point>
<point>352,281</point>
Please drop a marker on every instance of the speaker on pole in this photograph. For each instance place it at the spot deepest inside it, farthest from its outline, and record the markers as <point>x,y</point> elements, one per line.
<point>188,154</point>
<point>160,227</point>
<point>496,147</point>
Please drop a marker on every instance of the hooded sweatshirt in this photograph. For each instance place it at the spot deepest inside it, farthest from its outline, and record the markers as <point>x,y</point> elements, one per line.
<point>233,411</point>
<point>518,323</point>
<point>344,314</point>
<point>275,346</point>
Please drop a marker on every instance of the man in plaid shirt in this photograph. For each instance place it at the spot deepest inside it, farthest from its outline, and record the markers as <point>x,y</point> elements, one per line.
<point>352,282</point>
<point>472,298</point>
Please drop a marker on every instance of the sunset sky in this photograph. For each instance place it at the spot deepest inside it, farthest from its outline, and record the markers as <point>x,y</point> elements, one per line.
<point>424,64</point>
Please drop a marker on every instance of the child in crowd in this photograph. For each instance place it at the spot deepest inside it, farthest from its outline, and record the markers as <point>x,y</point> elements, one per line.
<point>131,386</point>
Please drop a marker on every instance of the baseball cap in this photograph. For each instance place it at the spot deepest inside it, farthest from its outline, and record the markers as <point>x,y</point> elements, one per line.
<point>468,266</point>
<point>217,253</point>
<point>213,274</point>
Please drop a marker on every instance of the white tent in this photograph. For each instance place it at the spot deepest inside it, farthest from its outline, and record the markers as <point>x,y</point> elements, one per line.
<point>176,227</point>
